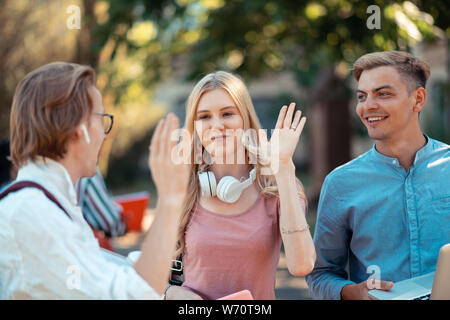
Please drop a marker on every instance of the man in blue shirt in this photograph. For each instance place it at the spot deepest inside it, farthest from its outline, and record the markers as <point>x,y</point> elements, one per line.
<point>384,215</point>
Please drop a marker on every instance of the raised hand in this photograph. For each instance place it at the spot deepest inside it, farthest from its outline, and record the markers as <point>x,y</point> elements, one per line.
<point>280,149</point>
<point>170,176</point>
<point>288,133</point>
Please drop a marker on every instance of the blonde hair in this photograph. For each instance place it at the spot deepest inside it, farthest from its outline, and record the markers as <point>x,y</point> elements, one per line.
<point>47,106</point>
<point>413,71</point>
<point>238,92</point>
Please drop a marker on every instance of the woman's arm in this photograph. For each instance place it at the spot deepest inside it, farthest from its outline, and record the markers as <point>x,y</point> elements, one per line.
<point>298,244</point>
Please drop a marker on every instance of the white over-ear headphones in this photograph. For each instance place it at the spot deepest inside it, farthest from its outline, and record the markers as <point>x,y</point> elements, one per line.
<point>228,189</point>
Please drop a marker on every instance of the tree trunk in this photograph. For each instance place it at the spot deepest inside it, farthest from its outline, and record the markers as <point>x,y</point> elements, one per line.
<point>85,53</point>
<point>330,128</point>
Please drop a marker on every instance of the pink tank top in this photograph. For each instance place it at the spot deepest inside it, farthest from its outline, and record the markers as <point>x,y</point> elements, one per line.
<point>229,253</point>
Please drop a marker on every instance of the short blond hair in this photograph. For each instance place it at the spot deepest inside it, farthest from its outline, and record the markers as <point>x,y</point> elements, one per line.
<point>48,105</point>
<point>413,71</point>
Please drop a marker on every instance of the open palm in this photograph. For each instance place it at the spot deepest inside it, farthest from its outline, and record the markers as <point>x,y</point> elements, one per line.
<point>280,149</point>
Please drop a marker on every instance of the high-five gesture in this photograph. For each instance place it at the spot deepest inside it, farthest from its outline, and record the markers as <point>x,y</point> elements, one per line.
<point>280,149</point>
<point>171,177</point>
<point>288,133</point>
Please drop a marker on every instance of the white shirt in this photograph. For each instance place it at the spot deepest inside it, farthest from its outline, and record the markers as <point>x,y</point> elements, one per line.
<point>45,255</point>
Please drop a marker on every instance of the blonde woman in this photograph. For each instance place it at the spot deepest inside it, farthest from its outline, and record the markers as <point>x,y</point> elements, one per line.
<point>231,241</point>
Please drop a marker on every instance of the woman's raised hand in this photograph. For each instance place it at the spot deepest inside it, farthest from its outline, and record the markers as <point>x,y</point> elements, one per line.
<point>280,149</point>
<point>289,131</point>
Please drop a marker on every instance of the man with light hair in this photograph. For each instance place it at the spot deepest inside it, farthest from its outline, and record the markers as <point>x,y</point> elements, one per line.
<point>48,251</point>
<point>385,214</point>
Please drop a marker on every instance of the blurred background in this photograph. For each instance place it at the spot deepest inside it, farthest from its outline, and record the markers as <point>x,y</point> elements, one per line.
<point>149,54</point>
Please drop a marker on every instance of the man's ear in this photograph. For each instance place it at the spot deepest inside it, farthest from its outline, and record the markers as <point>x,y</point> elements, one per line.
<point>77,133</point>
<point>420,97</point>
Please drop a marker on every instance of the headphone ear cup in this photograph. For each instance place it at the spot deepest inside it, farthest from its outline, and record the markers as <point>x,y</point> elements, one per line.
<point>229,189</point>
<point>207,182</point>
<point>221,187</point>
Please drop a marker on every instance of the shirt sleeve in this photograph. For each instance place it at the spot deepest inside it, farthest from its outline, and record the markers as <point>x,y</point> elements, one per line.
<point>60,261</point>
<point>331,239</point>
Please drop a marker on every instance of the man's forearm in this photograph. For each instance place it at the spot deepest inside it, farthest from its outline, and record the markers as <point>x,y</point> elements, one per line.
<point>326,285</point>
<point>159,244</point>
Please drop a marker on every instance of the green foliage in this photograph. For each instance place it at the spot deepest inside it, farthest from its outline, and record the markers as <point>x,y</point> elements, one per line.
<point>300,36</point>
<point>253,37</point>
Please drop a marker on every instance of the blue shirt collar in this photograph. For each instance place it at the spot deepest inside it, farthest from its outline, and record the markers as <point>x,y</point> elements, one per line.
<point>420,154</point>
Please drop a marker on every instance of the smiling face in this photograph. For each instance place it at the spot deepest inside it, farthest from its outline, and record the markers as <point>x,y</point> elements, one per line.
<point>218,123</point>
<point>385,106</point>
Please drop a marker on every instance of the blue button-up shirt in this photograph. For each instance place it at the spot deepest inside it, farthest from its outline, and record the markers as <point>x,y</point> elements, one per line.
<point>375,217</point>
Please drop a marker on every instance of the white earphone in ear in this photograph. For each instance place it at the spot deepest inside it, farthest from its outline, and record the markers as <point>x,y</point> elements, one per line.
<point>86,134</point>
<point>228,189</point>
